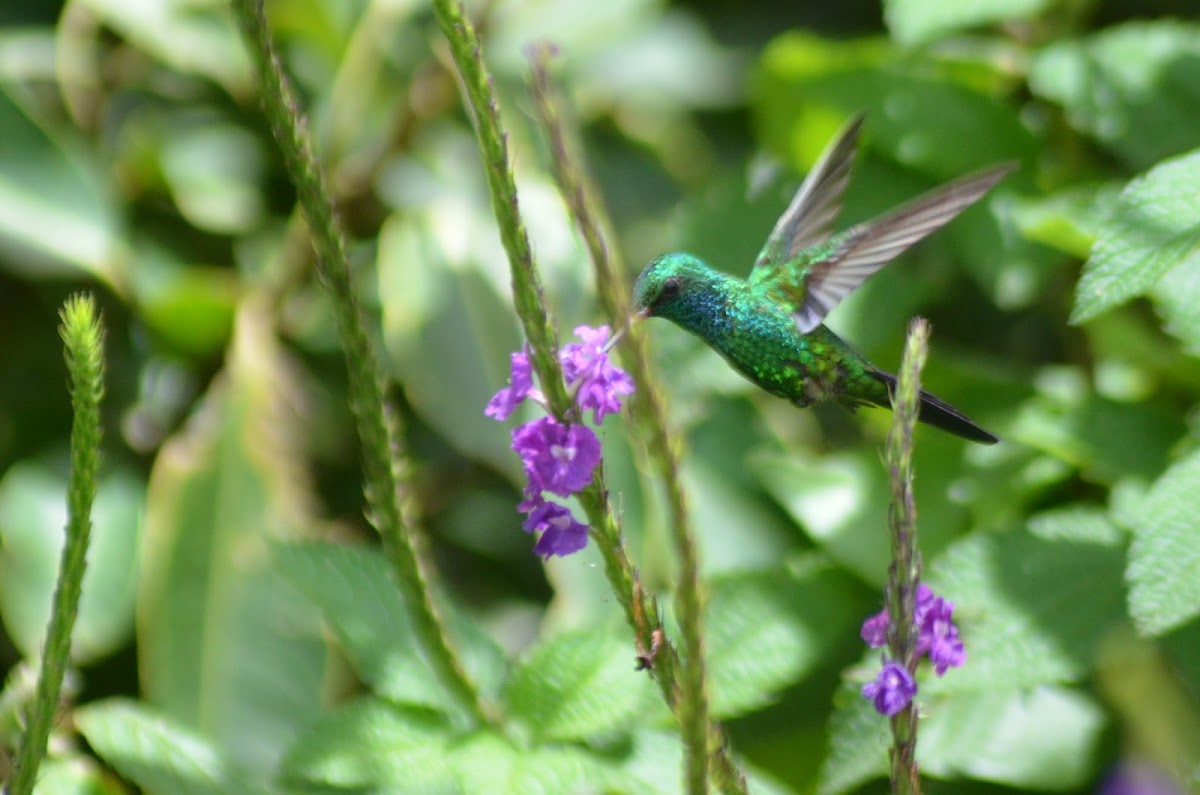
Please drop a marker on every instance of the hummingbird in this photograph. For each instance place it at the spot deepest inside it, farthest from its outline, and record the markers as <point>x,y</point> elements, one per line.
<point>769,326</point>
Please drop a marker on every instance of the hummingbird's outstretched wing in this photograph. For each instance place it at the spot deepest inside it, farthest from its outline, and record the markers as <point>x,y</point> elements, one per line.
<point>862,250</point>
<point>807,220</point>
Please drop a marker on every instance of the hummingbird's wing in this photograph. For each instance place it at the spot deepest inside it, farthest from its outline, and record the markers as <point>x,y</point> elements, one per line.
<point>806,221</point>
<point>862,250</point>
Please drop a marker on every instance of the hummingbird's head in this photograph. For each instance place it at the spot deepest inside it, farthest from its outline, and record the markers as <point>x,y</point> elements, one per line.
<point>665,286</point>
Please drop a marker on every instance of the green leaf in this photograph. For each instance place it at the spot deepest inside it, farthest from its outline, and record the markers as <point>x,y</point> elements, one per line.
<point>1041,739</point>
<point>213,171</point>
<point>227,647</point>
<point>578,685</point>
<point>157,753</point>
<point>858,743</point>
<point>488,763</point>
<point>54,202</point>
<point>190,305</point>
<point>920,21</point>
<point>1033,605</point>
<point>1154,228</point>
<point>352,586</point>
<point>1070,219</point>
<point>75,774</point>
<point>1133,87</point>
<point>1176,297</point>
<point>928,121</point>
<point>370,744</point>
<point>765,630</point>
<point>32,518</point>
<point>652,764</point>
<point>1164,559</point>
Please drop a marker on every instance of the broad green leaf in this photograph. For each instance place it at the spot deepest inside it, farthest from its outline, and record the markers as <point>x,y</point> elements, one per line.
<point>213,170</point>
<point>1040,739</point>
<point>1133,87</point>
<point>1106,440</point>
<point>1176,297</point>
<point>33,514</point>
<point>919,21</point>
<point>765,630</point>
<point>651,763</point>
<point>449,336</point>
<point>1070,219</point>
<point>227,647</point>
<point>74,775</point>
<point>858,743</point>
<point>1164,559</point>
<point>491,764</point>
<point>1032,607</point>
<point>54,202</point>
<point>1154,228</point>
<point>158,753</point>
<point>930,122</point>
<point>353,588</point>
<point>194,37</point>
<point>189,305</point>
<point>578,685</point>
<point>369,744</point>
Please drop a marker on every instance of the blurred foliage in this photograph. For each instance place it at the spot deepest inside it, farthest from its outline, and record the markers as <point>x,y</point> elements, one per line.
<point>239,632</point>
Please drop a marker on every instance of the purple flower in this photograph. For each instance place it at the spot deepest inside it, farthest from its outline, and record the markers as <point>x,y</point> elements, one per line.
<point>874,630</point>
<point>558,458</point>
<point>561,534</point>
<point>1132,777</point>
<point>599,384</point>
<point>519,387</point>
<point>938,637</point>
<point>891,690</point>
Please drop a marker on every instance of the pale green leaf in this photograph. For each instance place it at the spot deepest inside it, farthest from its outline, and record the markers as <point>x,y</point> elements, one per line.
<point>1032,607</point>
<point>33,514</point>
<point>217,624</point>
<point>578,685</point>
<point>213,170</point>
<point>1164,559</point>
<point>858,743</point>
<point>54,204</point>
<point>491,764</point>
<point>355,592</point>
<point>1040,739</point>
<point>370,744</point>
<point>1134,87</point>
<point>1154,228</point>
<point>919,21</point>
<point>157,753</point>
<point>765,630</point>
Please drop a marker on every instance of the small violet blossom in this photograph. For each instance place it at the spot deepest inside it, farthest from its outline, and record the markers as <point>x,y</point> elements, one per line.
<point>599,385</point>
<point>892,690</point>
<point>937,637</point>
<point>561,458</point>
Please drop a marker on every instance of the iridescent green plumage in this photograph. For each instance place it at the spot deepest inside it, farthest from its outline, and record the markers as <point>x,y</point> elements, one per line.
<point>769,326</point>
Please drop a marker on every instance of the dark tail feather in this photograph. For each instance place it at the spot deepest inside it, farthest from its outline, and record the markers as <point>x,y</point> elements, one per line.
<point>940,414</point>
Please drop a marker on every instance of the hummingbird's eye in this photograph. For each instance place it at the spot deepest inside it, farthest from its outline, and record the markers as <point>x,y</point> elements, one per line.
<point>669,288</point>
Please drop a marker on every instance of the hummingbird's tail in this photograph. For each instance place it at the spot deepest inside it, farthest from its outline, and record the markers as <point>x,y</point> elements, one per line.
<point>940,414</point>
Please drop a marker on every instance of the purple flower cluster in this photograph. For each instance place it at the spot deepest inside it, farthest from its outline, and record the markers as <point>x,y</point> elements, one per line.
<point>937,638</point>
<point>561,458</point>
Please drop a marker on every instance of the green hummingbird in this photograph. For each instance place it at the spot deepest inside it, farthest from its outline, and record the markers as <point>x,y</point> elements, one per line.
<point>769,326</point>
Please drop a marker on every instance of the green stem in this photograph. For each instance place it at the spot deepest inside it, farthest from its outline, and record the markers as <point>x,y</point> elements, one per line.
<point>905,571</point>
<point>393,510</point>
<point>650,413</point>
<point>83,337</point>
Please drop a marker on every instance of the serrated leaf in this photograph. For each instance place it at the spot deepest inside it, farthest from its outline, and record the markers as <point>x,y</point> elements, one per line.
<point>217,627</point>
<point>1032,609</point>
<point>32,518</point>
<point>1176,296</point>
<point>919,21</point>
<point>1043,739</point>
<point>157,753</point>
<point>354,590</point>
<point>578,685</point>
<point>765,629</point>
<point>369,744</point>
<point>858,743</point>
<point>1164,559</point>
<point>1154,228</point>
<point>1133,87</point>
<point>488,763</point>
